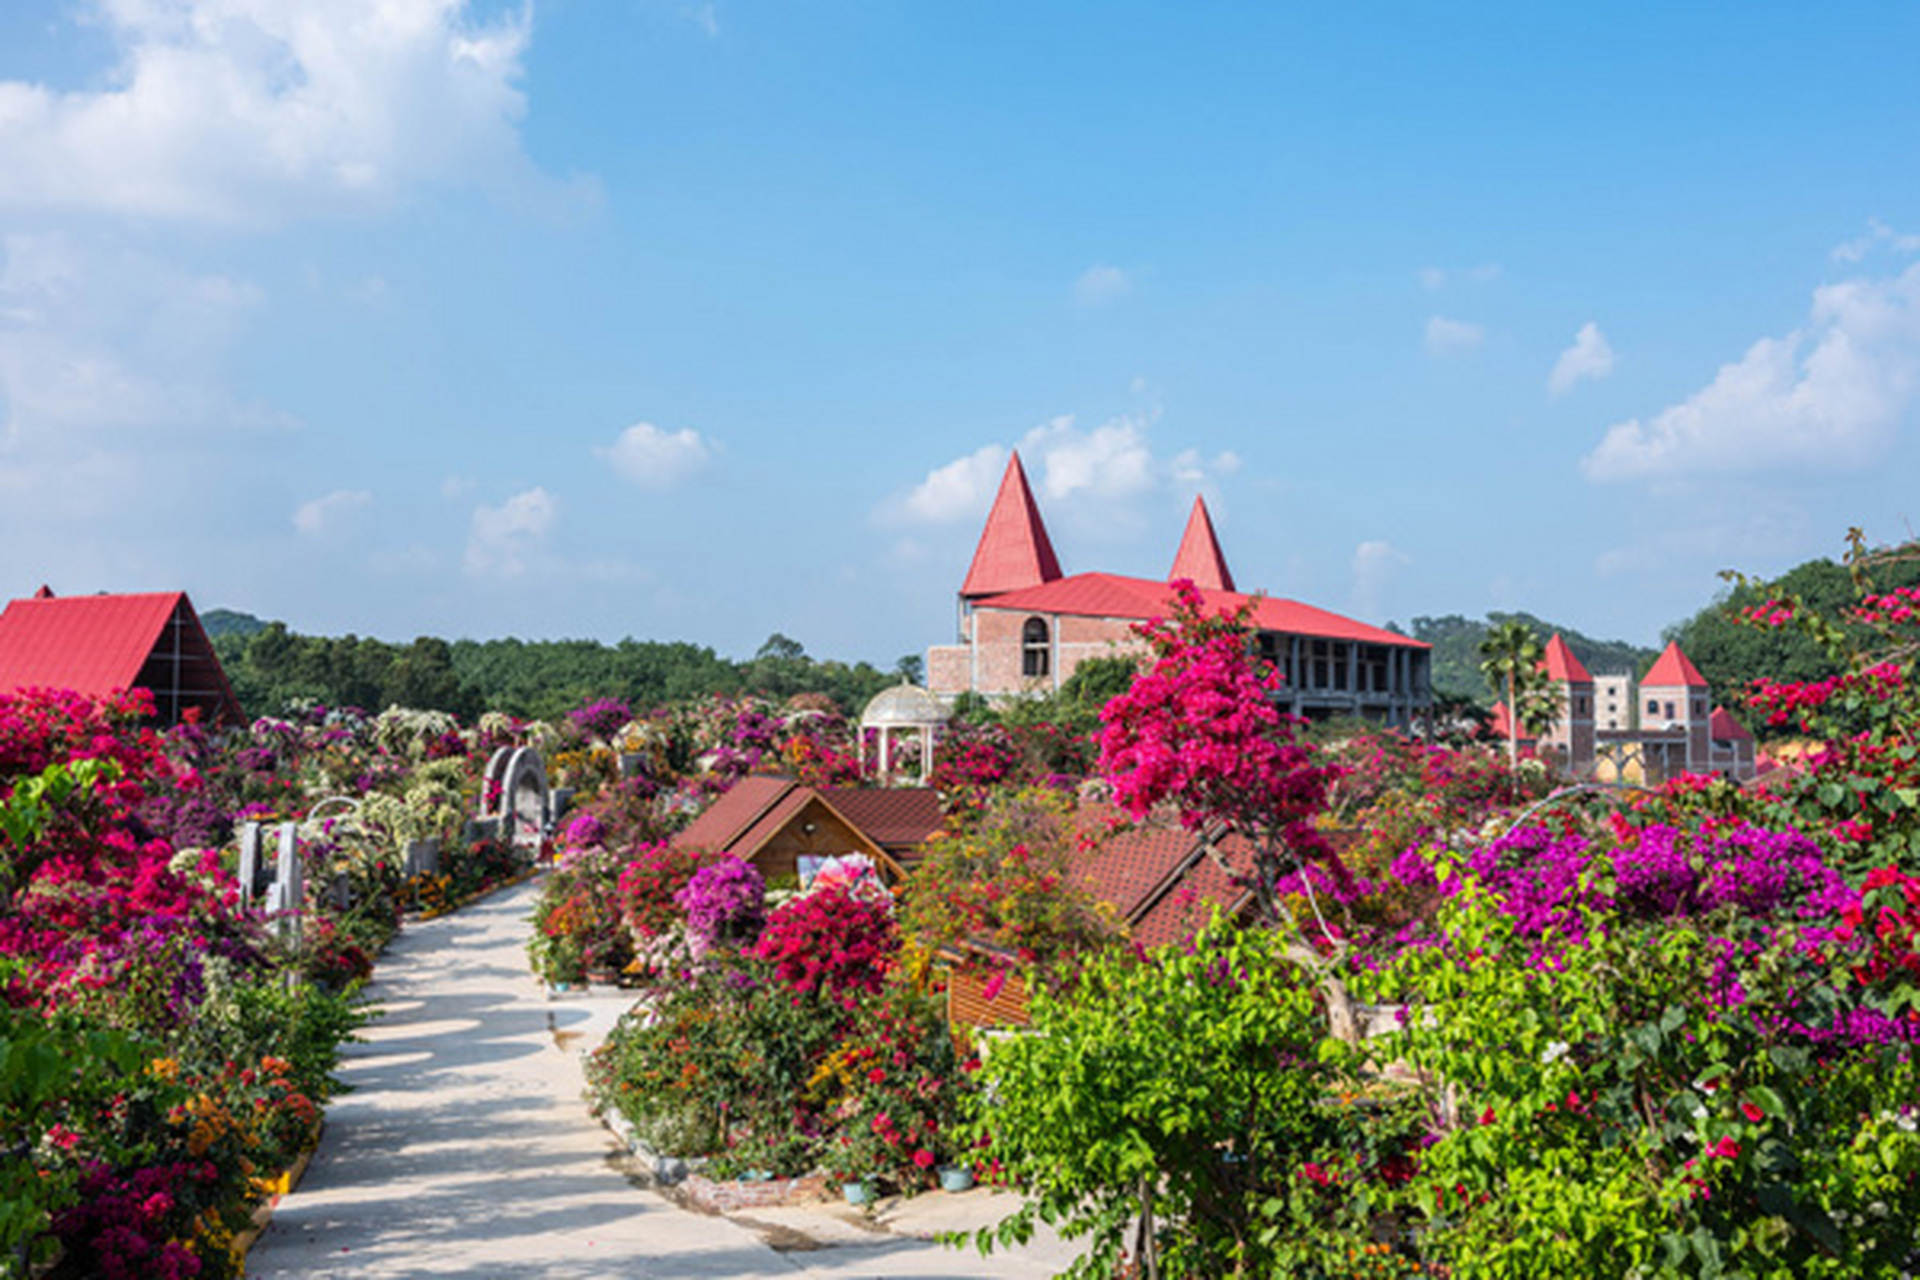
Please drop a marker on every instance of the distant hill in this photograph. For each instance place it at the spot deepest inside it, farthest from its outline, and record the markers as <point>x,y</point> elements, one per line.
<point>228,622</point>
<point>1456,656</point>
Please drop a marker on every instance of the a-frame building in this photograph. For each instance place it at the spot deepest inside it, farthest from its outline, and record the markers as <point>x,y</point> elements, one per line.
<point>104,644</point>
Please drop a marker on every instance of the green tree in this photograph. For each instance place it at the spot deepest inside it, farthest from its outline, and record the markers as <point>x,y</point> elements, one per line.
<point>1510,658</point>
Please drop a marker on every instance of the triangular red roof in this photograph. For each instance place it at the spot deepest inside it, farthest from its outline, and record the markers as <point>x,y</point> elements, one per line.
<point>1722,727</point>
<point>1560,664</point>
<point>1110,595</point>
<point>1672,668</point>
<point>97,645</point>
<point>1498,725</point>
<point>1199,559</point>
<point>1014,550</point>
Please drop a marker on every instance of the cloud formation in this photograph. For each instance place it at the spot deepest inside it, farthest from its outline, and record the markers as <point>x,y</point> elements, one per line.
<point>1830,394</point>
<point>1590,357</point>
<point>1098,284</point>
<point>1105,468</point>
<point>655,458</point>
<point>312,518</point>
<point>1446,337</point>
<point>228,110</point>
<point>504,538</point>
<point>1375,562</point>
<point>1878,235</point>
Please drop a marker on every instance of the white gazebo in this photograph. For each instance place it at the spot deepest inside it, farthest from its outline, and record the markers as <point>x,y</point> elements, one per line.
<point>905,707</point>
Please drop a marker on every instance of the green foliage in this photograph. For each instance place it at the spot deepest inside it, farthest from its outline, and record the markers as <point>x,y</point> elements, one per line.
<point>1604,1116</point>
<point>271,667</point>
<point>1160,1100</point>
<point>1456,642</point>
<point>1732,655</point>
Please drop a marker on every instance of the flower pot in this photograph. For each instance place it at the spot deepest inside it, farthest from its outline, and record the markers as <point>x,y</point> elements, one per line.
<point>859,1193</point>
<point>955,1177</point>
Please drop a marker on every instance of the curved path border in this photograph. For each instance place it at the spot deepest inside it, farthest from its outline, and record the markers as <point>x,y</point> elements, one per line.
<point>465,1148</point>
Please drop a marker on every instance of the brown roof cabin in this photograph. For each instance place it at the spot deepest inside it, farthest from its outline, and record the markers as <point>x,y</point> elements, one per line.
<point>773,822</point>
<point>1161,882</point>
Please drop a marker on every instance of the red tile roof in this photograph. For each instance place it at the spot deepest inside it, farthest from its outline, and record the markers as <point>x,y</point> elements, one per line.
<point>1160,880</point>
<point>1014,549</point>
<point>1109,595</point>
<point>1200,559</point>
<point>1560,663</point>
<point>720,827</point>
<point>895,818</point>
<point>1672,668</point>
<point>96,645</point>
<point>1722,726</point>
<point>1498,726</point>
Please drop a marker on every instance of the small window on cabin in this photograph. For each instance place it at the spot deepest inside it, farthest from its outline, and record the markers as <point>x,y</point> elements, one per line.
<point>1036,657</point>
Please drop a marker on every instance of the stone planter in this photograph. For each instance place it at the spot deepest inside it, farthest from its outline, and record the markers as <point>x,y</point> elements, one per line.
<point>955,1177</point>
<point>422,857</point>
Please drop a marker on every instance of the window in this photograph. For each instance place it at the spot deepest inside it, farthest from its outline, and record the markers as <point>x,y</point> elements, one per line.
<point>1653,707</point>
<point>1036,658</point>
<point>1670,712</point>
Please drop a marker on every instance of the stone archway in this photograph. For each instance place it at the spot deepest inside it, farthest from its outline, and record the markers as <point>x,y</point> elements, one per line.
<point>523,798</point>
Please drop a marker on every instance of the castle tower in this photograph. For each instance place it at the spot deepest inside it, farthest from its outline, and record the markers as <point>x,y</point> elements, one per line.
<point>1200,558</point>
<point>1674,696</point>
<point>1573,732</point>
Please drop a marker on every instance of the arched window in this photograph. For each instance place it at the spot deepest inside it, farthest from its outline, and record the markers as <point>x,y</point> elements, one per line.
<point>1036,656</point>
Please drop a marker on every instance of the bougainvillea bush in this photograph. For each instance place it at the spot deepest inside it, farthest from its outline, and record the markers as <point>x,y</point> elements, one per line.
<point>162,1055</point>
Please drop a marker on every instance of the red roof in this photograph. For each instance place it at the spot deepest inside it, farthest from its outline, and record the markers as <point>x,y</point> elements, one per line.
<point>1498,727</point>
<point>1200,559</point>
<point>1160,880</point>
<point>898,819</point>
<point>1014,549</point>
<point>97,645</point>
<point>1109,595</point>
<point>1722,726</point>
<point>1671,669</point>
<point>1561,665</point>
<point>757,807</point>
<point>743,804</point>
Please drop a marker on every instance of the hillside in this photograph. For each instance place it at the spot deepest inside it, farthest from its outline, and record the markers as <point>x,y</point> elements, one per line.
<point>1456,658</point>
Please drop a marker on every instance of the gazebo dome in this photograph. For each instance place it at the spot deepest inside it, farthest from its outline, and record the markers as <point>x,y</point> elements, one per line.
<point>904,706</point>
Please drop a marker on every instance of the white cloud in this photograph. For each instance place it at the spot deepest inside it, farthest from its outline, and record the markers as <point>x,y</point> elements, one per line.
<point>1436,278</point>
<point>957,491</point>
<point>1590,356</point>
<point>1100,472</point>
<point>1830,394</point>
<point>655,458</point>
<point>1374,564</point>
<point>1098,284</point>
<point>1452,337</point>
<point>1111,461</point>
<point>314,517</point>
<point>503,538</point>
<point>1878,235</point>
<point>232,110</point>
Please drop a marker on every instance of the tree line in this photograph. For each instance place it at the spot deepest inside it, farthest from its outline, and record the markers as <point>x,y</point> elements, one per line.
<point>272,668</point>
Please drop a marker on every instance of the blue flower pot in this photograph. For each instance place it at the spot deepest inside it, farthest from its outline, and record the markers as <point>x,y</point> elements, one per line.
<point>857,1192</point>
<point>956,1178</point>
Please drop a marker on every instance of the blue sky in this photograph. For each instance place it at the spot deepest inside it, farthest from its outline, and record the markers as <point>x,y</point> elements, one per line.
<point>702,321</point>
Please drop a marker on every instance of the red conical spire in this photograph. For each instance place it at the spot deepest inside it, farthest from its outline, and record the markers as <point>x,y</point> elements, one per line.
<point>1673,669</point>
<point>1014,550</point>
<point>1561,664</point>
<point>1199,558</point>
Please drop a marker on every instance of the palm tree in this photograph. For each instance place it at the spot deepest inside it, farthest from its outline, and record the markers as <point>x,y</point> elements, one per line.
<point>1510,658</point>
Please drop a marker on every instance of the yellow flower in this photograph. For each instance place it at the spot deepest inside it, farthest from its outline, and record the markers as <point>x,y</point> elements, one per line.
<point>165,1070</point>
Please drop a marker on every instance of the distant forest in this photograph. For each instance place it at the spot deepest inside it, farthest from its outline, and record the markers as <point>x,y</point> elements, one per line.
<point>271,667</point>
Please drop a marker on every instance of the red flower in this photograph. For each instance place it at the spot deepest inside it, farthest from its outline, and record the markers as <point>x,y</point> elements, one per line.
<point>924,1158</point>
<point>1752,1112</point>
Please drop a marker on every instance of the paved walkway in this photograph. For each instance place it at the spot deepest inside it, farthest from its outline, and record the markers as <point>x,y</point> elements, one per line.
<point>465,1149</point>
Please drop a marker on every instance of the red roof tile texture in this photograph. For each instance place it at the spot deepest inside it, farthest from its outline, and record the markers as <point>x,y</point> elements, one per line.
<point>1672,669</point>
<point>1014,550</point>
<point>1109,595</point>
<point>724,821</point>
<point>1200,559</point>
<point>895,818</point>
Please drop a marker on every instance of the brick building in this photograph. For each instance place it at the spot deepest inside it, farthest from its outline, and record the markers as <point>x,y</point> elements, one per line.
<point>1024,625</point>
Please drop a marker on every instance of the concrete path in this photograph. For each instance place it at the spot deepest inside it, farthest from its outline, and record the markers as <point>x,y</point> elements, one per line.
<point>465,1149</point>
